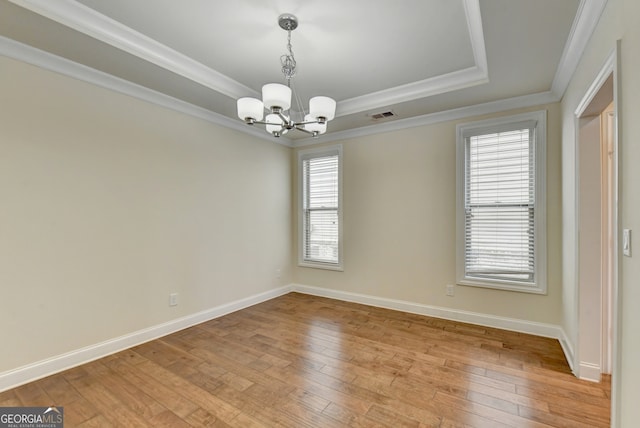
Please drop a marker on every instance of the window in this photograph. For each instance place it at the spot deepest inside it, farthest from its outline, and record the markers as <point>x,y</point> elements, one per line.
<point>501,218</point>
<point>320,218</point>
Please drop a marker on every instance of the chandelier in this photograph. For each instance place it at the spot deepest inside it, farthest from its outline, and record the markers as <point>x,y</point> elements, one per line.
<point>276,99</point>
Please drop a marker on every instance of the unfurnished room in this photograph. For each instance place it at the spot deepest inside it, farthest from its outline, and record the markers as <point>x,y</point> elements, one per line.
<point>418,213</point>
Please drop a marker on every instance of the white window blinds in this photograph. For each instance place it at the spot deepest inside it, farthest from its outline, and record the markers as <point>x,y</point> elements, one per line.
<point>320,208</point>
<point>499,204</point>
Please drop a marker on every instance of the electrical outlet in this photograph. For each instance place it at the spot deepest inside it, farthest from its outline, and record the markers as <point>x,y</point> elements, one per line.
<point>450,290</point>
<point>173,299</point>
<point>278,273</point>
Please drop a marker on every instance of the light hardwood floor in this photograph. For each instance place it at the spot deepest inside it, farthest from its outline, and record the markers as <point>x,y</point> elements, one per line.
<point>304,361</point>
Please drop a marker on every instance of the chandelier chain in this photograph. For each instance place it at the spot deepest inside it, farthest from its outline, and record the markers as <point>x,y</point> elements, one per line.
<point>288,61</point>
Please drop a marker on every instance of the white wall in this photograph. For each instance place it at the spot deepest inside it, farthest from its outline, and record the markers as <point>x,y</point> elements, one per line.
<point>619,21</point>
<point>601,45</point>
<point>399,224</point>
<point>108,204</point>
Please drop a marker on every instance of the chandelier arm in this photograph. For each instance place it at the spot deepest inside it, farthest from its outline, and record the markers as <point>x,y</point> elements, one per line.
<point>258,122</point>
<point>297,126</point>
<point>285,120</point>
<point>307,122</point>
<point>291,125</point>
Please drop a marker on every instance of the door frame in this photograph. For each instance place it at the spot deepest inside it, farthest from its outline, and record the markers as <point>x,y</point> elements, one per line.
<point>611,67</point>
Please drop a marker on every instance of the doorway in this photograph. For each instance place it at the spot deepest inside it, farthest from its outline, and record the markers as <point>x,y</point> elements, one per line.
<point>596,190</point>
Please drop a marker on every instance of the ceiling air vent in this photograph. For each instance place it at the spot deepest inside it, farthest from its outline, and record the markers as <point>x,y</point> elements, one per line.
<point>383,115</point>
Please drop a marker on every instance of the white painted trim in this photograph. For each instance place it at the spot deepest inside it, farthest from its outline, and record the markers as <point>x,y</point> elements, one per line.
<point>30,55</point>
<point>567,348</point>
<point>507,104</point>
<point>590,372</point>
<point>486,320</point>
<point>538,120</point>
<point>90,22</point>
<point>587,370</point>
<point>20,376</point>
<point>48,61</point>
<point>616,376</point>
<point>597,83</point>
<point>460,79</point>
<point>476,34</point>
<point>584,25</point>
<point>38,370</point>
<point>453,81</point>
<point>306,154</point>
<point>611,66</point>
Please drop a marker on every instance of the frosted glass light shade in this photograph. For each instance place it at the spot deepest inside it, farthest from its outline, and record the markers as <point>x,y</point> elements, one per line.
<point>320,127</point>
<point>250,108</point>
<point>322,107</point>
<point>276,95</point>
<point>274,123</point>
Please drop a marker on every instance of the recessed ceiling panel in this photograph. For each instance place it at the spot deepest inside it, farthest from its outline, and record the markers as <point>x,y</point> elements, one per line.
<point>414,57</point>
<point>336,43</point>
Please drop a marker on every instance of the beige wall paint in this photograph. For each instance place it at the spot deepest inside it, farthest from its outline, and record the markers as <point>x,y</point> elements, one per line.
<point>108,204</point>
<point>619,21</point>
<point>629,391</point>
<point>399,224</point>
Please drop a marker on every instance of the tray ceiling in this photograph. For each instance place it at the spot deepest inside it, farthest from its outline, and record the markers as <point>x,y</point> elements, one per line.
<point>414,57</point>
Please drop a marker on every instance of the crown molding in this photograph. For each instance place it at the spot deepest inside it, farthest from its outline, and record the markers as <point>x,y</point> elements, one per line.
<point>82,18</point>
<point>432,118</point>
<point>476,34</point>
<point>584,24</point>
<point>86,20</point>
<point>453,81</point>
<point>30,55</point>
<point>424,88</point>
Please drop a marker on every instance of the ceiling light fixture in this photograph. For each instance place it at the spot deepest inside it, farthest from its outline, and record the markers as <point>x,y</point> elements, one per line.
<point>276,98</point>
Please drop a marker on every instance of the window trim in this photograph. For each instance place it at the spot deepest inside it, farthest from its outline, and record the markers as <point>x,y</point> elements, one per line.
<point>465,130</point>
<point>302,155</point>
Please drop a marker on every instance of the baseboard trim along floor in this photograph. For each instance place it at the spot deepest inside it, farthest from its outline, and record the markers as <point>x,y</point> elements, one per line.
<point>28,373</point>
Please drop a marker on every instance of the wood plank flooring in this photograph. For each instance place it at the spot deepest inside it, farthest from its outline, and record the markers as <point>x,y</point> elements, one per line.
<point>305,361</point>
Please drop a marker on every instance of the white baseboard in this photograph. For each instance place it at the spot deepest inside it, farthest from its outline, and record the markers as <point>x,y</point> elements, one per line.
<point>590,372</point>
<point>567,348</point>
<point>20,376</point>
<point>511,324</point>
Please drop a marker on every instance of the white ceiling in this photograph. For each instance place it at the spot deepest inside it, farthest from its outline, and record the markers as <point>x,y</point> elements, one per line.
<point>414,57</point>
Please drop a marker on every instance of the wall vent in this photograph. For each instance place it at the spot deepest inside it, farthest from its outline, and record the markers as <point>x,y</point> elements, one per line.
<point>382,115</point>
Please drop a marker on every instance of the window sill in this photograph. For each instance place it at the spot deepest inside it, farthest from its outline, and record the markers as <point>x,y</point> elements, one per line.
<point>503,285</point>
<point>320,265</point>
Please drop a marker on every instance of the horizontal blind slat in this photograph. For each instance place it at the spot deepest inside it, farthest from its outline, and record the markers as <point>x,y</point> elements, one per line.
<point>320,205</point>
<point>499,206</point>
